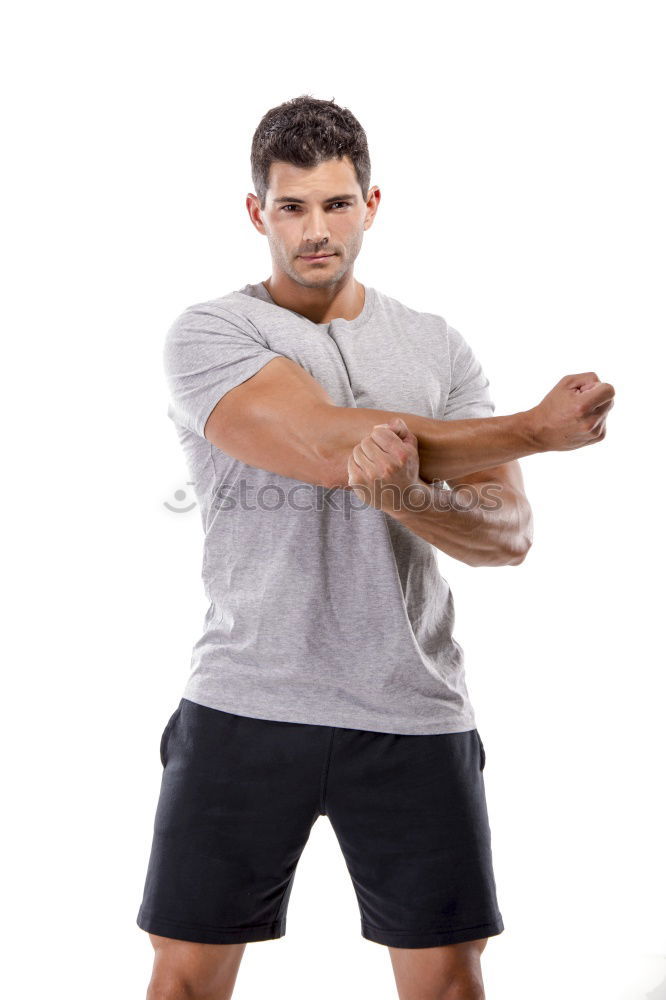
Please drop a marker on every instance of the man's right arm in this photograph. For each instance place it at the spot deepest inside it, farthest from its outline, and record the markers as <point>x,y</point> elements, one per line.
<point>282,420</point>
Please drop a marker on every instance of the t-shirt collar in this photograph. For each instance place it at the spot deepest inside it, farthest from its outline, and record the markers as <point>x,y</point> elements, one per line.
<point>262,292</point>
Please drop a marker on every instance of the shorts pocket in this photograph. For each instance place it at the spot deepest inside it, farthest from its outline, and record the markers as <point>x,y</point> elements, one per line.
<point>164,742</point>
<point>482,752</point>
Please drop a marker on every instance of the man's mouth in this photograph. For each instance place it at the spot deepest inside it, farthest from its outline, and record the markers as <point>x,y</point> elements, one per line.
<point>319,256</point>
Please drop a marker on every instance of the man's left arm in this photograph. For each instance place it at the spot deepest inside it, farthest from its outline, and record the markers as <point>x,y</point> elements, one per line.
<point>485,519</point>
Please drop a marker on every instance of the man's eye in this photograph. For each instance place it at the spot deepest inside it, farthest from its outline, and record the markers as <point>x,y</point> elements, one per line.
<point>285,207</point>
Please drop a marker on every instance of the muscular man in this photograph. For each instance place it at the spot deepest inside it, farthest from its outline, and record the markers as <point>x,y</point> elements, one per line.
<point>320,419</point>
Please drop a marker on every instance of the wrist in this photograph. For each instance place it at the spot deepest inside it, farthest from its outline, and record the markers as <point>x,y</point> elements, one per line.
<point>413,499</point>
<point>530,430</point>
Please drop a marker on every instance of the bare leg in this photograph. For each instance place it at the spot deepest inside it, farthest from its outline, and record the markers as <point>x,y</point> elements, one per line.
<point>447,972</point>
<point>186,970</point>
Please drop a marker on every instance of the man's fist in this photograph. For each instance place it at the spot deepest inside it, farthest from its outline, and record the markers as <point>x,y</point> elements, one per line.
<point>573,414</point>
<point>384,466</point>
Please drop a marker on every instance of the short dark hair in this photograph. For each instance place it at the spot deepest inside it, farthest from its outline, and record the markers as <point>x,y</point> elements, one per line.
<point>305,131</point>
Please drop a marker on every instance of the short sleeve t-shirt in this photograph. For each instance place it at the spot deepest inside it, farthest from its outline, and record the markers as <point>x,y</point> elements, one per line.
<point>321,608</point>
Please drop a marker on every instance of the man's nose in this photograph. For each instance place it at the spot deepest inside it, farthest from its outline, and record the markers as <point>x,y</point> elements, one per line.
<point>316,228</point>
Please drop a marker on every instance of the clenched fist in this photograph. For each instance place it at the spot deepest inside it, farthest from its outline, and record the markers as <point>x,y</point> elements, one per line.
<point>384,466</point>
<point>573,414</point>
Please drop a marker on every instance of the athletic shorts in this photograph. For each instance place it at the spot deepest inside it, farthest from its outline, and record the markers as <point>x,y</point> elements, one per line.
<point>239,797</point>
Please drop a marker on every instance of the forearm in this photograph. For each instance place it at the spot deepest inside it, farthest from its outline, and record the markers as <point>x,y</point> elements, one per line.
<point>447,448</point>
<point>482,524</point>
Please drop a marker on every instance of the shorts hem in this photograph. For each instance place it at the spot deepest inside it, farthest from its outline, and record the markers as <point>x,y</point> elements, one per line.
<point>211,935</point>
<point>430,939</point>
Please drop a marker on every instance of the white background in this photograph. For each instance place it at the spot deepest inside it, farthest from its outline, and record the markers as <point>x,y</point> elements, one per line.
<point>519,151</point>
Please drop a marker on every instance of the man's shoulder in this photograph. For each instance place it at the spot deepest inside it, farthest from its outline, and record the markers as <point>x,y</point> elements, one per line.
<point>396,308</point>
<point>235,308</point>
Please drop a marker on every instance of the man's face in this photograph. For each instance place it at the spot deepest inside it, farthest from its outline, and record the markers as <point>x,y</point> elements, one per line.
<point>316,210</point>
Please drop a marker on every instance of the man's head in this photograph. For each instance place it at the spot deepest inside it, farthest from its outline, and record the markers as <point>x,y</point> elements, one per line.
<point>311,172</point>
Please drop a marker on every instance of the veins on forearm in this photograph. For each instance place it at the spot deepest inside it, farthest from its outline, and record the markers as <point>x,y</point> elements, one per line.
<point>494,528</point>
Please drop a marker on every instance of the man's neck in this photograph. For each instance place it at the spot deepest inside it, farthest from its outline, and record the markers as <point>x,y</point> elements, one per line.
<point>319,305</point>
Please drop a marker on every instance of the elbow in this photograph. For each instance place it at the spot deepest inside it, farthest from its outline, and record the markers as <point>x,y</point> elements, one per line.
<point>512,549</point>
<point>518,553</point>
<point>502,557</point>
<point>517,559</point>
<point>329,475</point>
<point>330,444</point>
<point>336,478</point>
<point>331,467</point>
<point>522,542</point>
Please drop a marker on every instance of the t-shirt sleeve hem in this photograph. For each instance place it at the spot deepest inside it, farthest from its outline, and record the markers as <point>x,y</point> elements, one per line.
<point>241,374</point>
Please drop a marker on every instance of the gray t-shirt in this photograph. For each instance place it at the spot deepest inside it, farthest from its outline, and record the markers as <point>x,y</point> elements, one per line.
<point>322,609</point>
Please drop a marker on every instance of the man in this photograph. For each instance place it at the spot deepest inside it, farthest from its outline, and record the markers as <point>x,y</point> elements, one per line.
<point>320,419</point>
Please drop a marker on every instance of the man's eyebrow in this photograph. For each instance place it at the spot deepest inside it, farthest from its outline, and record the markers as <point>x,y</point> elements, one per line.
<point>301,201</point>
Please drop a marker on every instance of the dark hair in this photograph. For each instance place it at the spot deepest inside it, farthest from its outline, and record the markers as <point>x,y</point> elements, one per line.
<point>304,132</point>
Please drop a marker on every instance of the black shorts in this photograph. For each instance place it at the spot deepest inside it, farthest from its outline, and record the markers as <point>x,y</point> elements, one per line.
<point>239,797</point>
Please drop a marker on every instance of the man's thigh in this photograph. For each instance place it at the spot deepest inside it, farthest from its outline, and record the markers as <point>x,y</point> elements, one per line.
<point>410,815</point>
<point>237,801</point>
